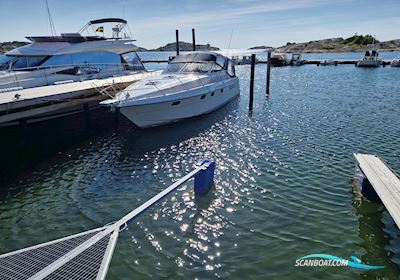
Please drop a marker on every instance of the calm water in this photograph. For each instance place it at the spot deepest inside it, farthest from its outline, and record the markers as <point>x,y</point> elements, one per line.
<point>283,185</point>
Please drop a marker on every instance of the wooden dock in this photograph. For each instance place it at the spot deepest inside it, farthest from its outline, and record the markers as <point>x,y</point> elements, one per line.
<point>384,181</point>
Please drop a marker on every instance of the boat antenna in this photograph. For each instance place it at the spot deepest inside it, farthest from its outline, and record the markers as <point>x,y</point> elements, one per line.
<point>52,27</point>
<point>230,41</point>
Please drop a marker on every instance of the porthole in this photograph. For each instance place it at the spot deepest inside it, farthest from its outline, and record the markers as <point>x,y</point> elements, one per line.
<point>175,103</point>
<point>203,96</point>
<point>212,94</point>
<point>222,90</point>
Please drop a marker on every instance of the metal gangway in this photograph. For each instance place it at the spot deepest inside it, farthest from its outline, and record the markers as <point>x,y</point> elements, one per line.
<point>87,255</point>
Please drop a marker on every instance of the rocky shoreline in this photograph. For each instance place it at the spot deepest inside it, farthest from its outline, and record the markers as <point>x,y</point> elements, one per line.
<point>357,43</point>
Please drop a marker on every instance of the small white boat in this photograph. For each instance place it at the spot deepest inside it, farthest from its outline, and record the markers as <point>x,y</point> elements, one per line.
<point>297,60</point>
<point>279,59</point>
<point>395,62</point>
<point>193,84</point>
<point>243,60</point>
<point>370,59</point>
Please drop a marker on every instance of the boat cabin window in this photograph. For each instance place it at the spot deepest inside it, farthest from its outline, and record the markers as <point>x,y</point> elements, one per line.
<point>220,61</point>
<point>231,68</point>
<point>132,61</point>
<point>100,59</point>
<point>23,62</point>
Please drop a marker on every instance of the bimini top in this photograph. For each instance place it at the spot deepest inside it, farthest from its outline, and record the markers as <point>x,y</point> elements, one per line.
<point>200,57</point>
<point>106,20</point>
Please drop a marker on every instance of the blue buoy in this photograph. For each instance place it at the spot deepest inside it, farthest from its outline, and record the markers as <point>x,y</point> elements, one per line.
<point>205,178</point>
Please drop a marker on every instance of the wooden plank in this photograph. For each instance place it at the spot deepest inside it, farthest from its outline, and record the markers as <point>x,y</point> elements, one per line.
<point>384,181</point>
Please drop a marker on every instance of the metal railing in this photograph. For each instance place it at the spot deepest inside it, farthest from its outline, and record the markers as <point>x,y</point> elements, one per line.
<point>87,255</point>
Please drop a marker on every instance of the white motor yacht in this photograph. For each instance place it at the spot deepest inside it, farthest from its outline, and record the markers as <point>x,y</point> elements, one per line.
<point>192,84</point>
<point>57,76</point>
<point>370,59</point>
<point>71,57</point>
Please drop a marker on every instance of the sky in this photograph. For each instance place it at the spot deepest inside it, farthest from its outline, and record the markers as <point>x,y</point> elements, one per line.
<point>250,22</point>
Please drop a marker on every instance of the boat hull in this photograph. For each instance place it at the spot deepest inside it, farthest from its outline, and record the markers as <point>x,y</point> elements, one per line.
<point>369,64</point>
<point>207,100</point>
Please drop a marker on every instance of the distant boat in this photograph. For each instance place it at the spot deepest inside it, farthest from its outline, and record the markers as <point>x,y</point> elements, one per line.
<point>193,84</point>
<point>244,60</point>
<point>279,59</point>
<point>328,62</point>
<point>370,59</point>
<point>297,60</point>
<point>395,62</point>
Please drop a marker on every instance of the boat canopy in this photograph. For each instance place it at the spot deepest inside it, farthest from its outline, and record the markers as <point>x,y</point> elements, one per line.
<point>200,57</point>
<point>108,20</point>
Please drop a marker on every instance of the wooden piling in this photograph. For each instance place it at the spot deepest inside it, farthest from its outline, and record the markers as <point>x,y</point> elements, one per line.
<point>177,41</point>
<point>268,73</point>
<point>194,39</point>
<point>253,65</point>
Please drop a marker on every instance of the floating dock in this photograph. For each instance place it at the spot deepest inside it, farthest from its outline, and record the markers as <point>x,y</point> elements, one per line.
<point>316,62</point>
<point>384,181</point>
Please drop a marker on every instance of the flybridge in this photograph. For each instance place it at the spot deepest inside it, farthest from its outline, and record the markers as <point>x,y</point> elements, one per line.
<point>120,30</point>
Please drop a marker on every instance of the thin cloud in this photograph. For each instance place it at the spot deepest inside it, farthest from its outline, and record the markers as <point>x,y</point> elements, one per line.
<point>211,17</point>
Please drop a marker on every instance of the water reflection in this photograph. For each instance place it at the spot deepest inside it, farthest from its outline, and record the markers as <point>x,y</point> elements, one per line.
<point>378,233</point>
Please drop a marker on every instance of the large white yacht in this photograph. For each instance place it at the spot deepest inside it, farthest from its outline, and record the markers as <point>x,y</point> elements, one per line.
<point>71,57</point>
<point>56,76</point>
<point>192,84</point>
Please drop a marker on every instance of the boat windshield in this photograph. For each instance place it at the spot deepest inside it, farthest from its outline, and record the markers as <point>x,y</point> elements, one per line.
<point>22,62</point>
<point>5,62</point>
<point>192,67</point>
